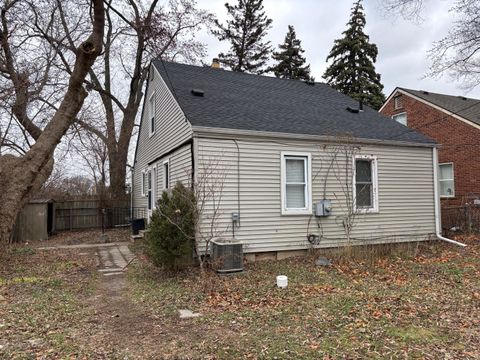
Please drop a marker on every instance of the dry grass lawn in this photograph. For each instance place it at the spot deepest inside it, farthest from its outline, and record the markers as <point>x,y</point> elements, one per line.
<point>54,305</point>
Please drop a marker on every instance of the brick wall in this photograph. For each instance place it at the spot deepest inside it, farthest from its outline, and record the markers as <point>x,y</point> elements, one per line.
<point>460,144</point>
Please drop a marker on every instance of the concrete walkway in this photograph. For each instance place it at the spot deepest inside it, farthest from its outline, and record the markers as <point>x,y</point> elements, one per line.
<point>83,246</point>
<point>113,259</point>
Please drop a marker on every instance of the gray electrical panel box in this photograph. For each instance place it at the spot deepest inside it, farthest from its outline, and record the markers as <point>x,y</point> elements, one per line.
<point>323,208</point>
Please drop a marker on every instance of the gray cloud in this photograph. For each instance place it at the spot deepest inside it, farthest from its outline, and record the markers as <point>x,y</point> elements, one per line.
<point>403,45</point>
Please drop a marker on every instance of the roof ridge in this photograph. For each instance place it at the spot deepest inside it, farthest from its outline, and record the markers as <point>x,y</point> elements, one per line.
<point>436,93</point>
<point>236,72</point>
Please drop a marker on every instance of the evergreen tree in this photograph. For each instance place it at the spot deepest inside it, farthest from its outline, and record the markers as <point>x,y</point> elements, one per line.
<point>352,71</point>
<point>291,63</point>
<point>245,32</point>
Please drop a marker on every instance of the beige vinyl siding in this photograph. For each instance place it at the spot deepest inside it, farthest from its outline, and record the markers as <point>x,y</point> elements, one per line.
<point>180,168</point>
<point>405,193</point>
<point>172,129</point>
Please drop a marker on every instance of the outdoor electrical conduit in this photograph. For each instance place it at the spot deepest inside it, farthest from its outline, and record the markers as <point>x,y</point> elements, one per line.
<point>438,223</point>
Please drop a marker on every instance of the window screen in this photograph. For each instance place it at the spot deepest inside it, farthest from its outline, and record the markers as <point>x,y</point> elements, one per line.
<point>446,180</point>
<point>295,182</point>
<point>363,183</point>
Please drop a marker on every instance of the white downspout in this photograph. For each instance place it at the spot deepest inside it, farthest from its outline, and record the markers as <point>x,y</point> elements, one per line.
<point>438,216</point>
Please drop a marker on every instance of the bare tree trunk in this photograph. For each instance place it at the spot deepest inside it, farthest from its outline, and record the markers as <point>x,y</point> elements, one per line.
<point>21,176</point>
<point>118,174</point>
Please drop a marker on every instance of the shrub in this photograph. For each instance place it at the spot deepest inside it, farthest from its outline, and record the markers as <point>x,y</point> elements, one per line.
<point>171,236</point>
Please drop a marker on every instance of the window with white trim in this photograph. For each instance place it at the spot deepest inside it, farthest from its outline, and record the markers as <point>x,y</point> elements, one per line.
<point>151,114</point>
<point>398,102</point>
<point>296,183</point>
<point>400,118</point>
<point>166,174</point>
<point>149,190</point>
<point>143,183</point>
<point>446,180</point>
<point>365,186</point>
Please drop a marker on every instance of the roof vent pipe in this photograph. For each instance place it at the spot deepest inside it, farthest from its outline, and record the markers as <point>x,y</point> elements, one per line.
<point>360,106</point>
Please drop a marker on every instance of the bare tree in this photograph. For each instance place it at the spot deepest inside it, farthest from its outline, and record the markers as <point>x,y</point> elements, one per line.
<point>342,168</point>
<point>136,32</point>
<point>336,171</point>
<point>458,53</point>
<point>22,175</point>
<point>208,189</point>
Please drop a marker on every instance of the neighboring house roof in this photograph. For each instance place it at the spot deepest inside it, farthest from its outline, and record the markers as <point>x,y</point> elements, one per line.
<point>234,100</point>
<point>467,108</point>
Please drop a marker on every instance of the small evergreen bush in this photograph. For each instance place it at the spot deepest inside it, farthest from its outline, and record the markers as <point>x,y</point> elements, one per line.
<point>171,237</point>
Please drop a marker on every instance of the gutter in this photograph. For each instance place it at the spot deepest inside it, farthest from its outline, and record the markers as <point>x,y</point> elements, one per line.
<point>438,221</point>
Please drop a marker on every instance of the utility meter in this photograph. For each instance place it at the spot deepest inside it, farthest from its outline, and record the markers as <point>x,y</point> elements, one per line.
<point>323,208</point>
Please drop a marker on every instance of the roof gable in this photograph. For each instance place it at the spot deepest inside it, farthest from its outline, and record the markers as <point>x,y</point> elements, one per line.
<point>240,101</point>
<point>463,108</point>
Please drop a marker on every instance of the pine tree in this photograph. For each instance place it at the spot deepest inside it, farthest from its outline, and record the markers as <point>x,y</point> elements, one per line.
<point>291,63</point>
<point>352,71</point>
<point>245,32</point>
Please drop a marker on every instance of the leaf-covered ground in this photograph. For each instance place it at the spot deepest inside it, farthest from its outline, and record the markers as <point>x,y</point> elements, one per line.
<point>427,306</point>
<point>54,305</point>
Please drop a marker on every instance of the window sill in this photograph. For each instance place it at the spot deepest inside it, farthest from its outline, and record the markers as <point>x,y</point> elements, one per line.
<point>447,197</point>
<point>367,211</point>
<point>297,212</point>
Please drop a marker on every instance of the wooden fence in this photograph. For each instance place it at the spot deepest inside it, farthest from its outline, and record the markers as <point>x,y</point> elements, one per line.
<point>85,214</point>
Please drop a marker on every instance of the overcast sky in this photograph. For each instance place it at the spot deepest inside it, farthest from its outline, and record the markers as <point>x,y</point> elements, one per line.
<point>403,45</point>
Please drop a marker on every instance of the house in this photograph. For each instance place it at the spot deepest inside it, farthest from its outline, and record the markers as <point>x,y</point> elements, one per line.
<point>287,150</point>
<point>454,123</point>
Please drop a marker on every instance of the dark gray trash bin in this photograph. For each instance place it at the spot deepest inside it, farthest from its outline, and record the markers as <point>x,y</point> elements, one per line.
<point>137,225</point>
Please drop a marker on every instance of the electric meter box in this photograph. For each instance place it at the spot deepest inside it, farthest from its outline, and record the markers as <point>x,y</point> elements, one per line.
<point>323,208</point>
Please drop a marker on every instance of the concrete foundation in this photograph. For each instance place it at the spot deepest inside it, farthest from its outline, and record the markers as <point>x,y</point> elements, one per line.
<point>274,255</point>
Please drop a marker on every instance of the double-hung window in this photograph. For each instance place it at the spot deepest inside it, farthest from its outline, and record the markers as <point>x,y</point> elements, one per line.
<point>296,183</point>
<point>446,180</point>
<point>365,188</point>
<point>144,182</point>
<point>151,114</point>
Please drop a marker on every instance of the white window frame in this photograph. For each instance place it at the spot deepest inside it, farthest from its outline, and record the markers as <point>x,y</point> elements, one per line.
<point>166,177</point>
<point>402,113</point>
<point>143,182</point>
<point>453,180</point>
<point>374,161</point>
<point>151,114</point>
<point>395,98</point>
<point>307,210</point>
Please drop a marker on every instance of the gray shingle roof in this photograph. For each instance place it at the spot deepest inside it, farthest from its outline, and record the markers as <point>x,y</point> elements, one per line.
<point>250,102</point>
<point>467,108</point>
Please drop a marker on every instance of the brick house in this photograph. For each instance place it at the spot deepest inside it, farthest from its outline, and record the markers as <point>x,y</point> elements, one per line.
<point>454,122</point>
